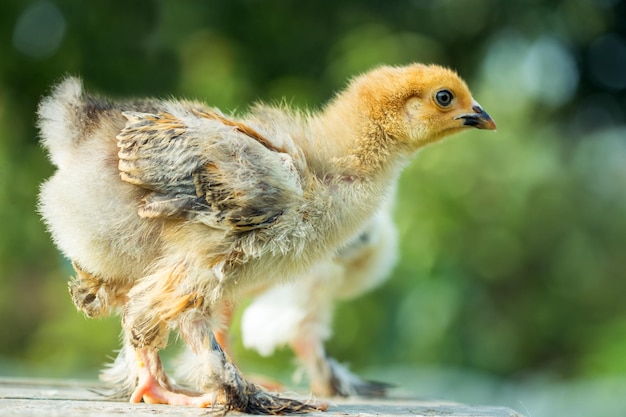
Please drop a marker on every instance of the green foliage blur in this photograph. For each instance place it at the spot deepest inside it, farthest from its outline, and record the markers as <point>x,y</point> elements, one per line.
<point>513,244</point>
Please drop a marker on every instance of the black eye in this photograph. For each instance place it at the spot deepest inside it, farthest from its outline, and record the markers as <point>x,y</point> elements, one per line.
<point>444,97</point>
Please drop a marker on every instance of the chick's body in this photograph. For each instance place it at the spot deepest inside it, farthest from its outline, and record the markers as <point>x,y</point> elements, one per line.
<point>171,210</point>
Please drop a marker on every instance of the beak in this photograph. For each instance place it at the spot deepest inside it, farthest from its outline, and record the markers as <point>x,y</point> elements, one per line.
<point>479,118</point>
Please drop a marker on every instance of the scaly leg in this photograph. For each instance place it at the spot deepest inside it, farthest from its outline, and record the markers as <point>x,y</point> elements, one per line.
<point>214,372</point>
<point>154,304</point>
<point>153,388</point>
<point>222,337</point>
<point>164,301</point>
<point>222,333</point>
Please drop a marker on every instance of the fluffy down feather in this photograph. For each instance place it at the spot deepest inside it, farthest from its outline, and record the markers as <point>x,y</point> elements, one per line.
<point>171,210</point>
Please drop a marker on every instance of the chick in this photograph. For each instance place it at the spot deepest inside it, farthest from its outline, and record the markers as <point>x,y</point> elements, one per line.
<point>299,313</point>
<point>171,210</point>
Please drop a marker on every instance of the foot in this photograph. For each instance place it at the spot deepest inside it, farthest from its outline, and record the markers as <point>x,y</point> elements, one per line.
<point>252,399</point>
<point>341,382</point>
<point>154,388</point>
<point>151,391</point>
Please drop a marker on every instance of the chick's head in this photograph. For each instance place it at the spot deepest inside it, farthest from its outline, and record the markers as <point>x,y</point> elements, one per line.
<point>419,104</point>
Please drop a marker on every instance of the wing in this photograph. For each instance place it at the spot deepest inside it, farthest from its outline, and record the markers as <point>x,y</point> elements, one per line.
<point>202,166</point>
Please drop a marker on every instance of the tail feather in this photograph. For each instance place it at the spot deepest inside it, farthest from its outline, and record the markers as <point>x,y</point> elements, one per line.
<point>60,121</point>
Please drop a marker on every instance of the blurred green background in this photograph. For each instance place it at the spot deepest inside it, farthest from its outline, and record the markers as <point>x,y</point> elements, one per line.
<point>512,278</point>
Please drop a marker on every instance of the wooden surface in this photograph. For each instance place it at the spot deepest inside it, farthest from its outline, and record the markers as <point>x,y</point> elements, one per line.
<point>69,398</point>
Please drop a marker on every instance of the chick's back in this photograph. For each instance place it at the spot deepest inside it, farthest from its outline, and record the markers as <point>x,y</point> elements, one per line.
<point>139,180</point>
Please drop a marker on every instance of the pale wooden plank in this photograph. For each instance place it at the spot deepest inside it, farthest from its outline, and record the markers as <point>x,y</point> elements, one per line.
<point>73,398</point>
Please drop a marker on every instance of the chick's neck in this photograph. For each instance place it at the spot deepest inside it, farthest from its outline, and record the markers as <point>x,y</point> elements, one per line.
<point>356,158</point>
<point>347,141</point>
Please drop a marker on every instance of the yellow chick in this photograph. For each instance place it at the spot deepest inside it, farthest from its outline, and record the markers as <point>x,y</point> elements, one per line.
<point>170,210</point>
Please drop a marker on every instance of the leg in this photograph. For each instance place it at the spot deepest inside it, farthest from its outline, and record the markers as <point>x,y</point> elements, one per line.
<point>166,300</point>
<point>222,332</point>
<point>153,305</point>
<point>154,388</point>
<point>137,374</point>
<point>187,361</point>
<point>214,372</point>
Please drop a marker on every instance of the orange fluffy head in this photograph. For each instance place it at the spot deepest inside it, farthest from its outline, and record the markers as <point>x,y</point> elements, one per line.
<point>418,104</point>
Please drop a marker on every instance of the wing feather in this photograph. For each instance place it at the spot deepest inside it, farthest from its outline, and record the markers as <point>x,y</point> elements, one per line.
<point>205,167</point>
